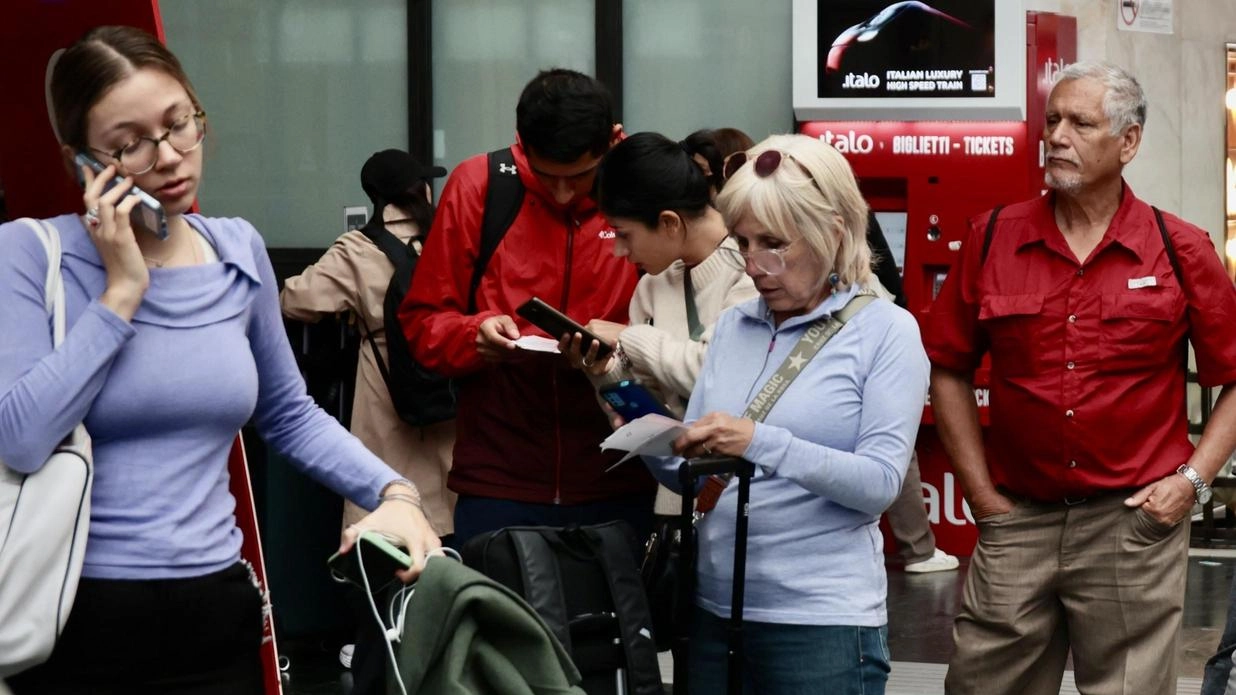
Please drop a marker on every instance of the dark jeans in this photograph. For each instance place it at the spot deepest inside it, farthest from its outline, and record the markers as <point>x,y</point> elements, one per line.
<point>1219,666</point>
<point>477,515</point>
<point>198,636</point>
<point>790,659</point>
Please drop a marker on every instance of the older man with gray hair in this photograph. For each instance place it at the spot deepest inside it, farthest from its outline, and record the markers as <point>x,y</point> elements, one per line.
<point>1084,298</point>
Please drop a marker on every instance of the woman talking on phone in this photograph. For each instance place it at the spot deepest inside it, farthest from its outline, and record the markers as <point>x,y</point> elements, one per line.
<point>172,345</point>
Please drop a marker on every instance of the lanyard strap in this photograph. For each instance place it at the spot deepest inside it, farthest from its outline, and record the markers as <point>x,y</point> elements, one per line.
<point>813,340</point>
<point>694,328</point>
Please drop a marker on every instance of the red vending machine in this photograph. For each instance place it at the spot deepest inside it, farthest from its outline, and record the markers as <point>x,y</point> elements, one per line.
<point>939,109</point>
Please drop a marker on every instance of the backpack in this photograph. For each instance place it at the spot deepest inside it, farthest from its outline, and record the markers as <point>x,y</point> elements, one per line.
<point>583,582</point>
<point>420,396</point>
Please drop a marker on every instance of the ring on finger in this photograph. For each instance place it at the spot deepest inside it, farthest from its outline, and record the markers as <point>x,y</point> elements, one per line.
<point>707,451</point>
<point>588,362</point>
<point>92,217</point>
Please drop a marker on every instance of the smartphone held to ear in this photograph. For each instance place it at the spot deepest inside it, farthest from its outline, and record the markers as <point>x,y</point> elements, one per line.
<point>147,214</point>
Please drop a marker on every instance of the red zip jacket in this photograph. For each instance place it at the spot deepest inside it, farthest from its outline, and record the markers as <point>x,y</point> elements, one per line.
<point>528,430</point>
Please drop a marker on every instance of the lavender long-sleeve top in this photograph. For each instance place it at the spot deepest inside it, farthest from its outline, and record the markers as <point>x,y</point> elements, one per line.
<point>162,396</point>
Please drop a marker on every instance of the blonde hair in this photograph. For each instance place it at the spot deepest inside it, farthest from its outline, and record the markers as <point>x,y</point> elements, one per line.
<point>813,195</point>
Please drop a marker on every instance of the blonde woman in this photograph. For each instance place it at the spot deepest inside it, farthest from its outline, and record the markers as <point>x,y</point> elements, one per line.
<point>831,453</point>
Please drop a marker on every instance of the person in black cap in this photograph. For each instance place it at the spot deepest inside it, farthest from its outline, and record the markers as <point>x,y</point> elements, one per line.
<point>352,276</point>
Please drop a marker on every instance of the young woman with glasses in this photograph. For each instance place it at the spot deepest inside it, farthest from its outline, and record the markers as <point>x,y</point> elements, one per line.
<point>172,346</point>
<point>831,452</point>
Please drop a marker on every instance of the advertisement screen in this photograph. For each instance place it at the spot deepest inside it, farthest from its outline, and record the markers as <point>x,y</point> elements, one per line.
<point>880,49</point>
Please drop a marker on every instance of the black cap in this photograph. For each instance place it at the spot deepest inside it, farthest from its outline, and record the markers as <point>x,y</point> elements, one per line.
<point>389,175</point>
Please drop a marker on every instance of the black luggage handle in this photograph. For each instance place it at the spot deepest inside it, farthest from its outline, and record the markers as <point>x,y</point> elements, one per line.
<point>690,471</point>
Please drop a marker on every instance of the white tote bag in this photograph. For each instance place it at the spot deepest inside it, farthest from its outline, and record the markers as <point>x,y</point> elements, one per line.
<point>44,518</point>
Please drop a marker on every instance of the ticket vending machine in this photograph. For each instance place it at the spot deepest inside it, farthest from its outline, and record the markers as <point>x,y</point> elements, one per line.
<point>939,109</point>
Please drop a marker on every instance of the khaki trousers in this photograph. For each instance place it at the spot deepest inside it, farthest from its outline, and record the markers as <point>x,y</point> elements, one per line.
<point>1098,578</point>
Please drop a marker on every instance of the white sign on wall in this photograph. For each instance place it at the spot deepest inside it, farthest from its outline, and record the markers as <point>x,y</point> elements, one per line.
<point>1153,16</point>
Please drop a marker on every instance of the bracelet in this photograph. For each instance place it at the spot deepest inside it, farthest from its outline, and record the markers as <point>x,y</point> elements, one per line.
<point>402,498</point>
<point>621,354</point>
<point>400,481</point>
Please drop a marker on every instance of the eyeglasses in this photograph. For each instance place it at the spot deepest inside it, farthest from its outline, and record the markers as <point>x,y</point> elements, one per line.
<point>767,261</point>
<point>140,156</point>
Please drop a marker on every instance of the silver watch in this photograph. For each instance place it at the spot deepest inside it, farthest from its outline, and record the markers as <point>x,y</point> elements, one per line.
<point>1201,491</point>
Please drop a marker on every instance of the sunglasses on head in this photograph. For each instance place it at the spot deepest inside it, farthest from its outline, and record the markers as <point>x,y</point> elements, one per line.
<point>765,164</point>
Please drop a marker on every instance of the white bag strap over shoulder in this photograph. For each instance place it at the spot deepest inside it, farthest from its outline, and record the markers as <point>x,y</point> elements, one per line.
<point>54,285</point>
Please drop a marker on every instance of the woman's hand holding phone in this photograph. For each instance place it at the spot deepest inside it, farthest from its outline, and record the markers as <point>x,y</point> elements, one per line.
<point>127,274</point>
<point>583,357</point>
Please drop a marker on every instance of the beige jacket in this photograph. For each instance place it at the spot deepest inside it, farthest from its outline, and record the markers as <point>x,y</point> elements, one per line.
<point>352,277</point>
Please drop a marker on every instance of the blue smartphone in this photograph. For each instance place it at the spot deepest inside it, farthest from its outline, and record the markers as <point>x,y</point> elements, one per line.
<point>148,214</point>
<point>631,400</point>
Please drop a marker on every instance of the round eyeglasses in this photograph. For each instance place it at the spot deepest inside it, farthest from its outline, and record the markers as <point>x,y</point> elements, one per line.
<point>767,261</point>
<point>140,156</point>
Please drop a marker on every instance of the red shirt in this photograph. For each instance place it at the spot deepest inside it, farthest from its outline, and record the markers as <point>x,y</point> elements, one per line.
<point>1087,359</point>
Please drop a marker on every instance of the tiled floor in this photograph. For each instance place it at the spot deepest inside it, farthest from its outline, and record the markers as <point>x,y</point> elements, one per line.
<point>921,609</point>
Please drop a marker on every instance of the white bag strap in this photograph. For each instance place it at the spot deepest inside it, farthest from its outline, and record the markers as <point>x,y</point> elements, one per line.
<point>54,285</point>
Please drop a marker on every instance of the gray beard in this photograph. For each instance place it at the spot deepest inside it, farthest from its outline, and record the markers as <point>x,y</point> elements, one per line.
<point>1070,185</point>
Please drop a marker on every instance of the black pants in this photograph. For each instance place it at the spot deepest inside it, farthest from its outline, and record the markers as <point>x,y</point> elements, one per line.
<point>198,636</point>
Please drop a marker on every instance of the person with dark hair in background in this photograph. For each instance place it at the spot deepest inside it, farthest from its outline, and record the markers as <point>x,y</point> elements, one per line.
<point>352,276</point>
<point>528,425</point>
<point>710,147</point>
<point>907,516</point>
<point>171,347</point>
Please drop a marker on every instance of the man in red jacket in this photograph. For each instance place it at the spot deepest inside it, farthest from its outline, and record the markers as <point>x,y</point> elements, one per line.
<point>529,426</point>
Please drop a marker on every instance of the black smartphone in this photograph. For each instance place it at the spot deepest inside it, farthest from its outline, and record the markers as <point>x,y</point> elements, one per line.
<point>148,214</point>
<point>380,557</point>
<point>631,400</point>
<point>557,324</point>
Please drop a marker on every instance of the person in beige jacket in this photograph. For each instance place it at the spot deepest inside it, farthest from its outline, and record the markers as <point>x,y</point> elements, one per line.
<point>352,276</point>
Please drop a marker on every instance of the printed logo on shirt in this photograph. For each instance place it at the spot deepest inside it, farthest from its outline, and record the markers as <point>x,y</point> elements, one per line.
<point>607,234</point>
<point>1138,283</point>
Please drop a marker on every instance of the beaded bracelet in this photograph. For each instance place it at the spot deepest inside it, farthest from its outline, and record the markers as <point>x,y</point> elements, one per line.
<point>622,356</point>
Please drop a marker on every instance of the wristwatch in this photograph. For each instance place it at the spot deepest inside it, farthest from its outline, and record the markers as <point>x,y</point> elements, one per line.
<point>1201,490</point>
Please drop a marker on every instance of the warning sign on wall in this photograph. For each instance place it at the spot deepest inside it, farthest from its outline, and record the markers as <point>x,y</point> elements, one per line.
<point>1144,15</point>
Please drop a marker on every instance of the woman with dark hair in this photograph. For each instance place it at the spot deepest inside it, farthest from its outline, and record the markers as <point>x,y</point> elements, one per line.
<point>658,201</point>
<point>171,346</point>
<point>710,147</point>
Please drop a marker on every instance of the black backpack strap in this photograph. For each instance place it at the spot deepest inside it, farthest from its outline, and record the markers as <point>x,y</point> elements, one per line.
<point>1167,244</point>
<point>991,228</point>
<point>504,196</point>
<point>542,581</point>
<point>612,544</point>
<point>402,257</point>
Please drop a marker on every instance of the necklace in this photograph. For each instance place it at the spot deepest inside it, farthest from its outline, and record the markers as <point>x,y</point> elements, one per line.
<point>160,263</point>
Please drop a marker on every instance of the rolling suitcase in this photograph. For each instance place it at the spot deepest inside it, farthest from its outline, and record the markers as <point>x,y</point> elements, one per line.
<point>688,473</point>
